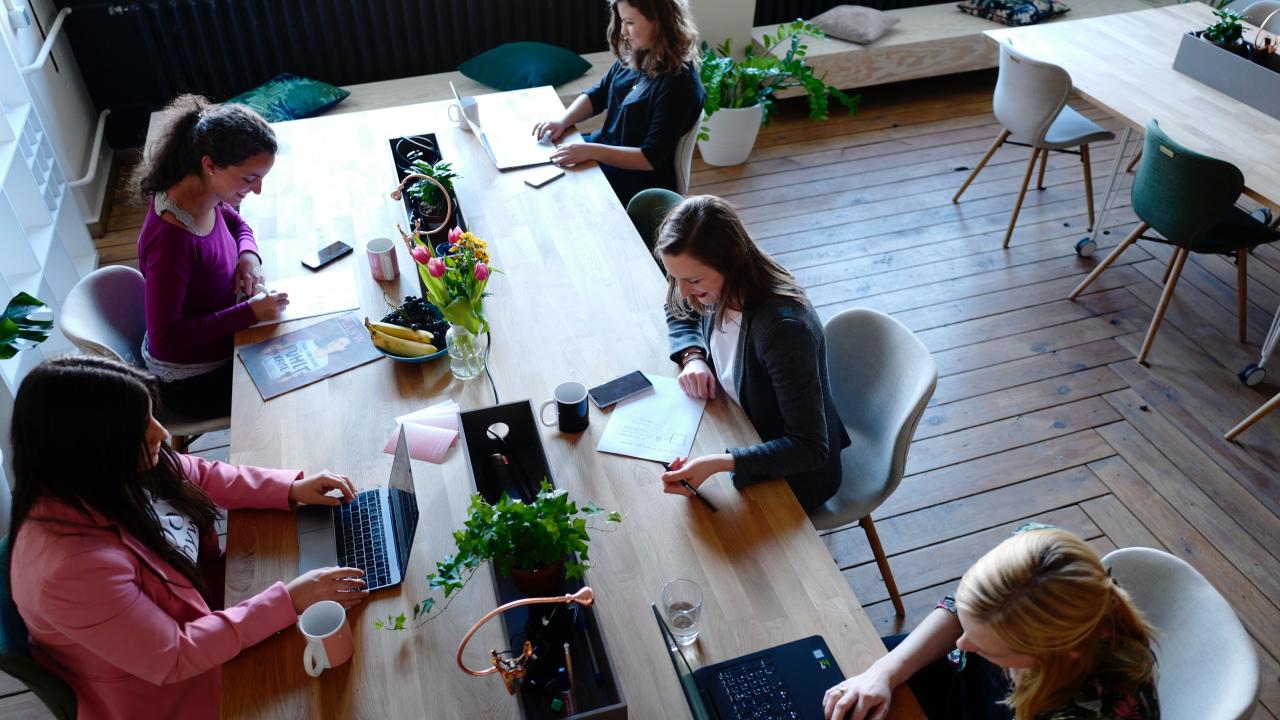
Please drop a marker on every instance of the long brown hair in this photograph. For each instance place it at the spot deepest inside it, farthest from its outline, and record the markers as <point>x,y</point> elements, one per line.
<point>674,43</point>
<point>228,134</point>
<point>1045,593</point>
<point>709,229</point>
<point>105,405</point>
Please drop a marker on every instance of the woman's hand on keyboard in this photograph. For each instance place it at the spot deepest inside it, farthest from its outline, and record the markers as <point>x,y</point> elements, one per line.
<point>315,489</point>
<point>862,697</point>
<point>342,585</point>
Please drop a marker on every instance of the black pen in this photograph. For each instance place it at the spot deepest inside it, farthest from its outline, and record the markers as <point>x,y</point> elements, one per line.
<point>685,484</point>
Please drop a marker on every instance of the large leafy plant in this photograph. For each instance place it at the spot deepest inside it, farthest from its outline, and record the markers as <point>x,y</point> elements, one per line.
<point>513,534</point>
<point>755,79</point>
<point>17,330</point>
<point>425,193</point>
<point>1226,30</point>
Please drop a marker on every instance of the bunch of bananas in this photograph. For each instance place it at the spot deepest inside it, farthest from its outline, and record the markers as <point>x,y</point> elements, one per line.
<point>399,340</point>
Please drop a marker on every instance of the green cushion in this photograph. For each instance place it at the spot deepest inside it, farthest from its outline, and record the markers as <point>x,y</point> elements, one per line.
<point>289,97</point>
<point>520,65</point>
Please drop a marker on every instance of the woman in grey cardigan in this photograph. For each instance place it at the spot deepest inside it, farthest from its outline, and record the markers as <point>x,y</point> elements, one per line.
<point>737,322</point>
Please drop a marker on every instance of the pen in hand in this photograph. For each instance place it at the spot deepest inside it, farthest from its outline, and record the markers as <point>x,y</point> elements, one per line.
<point>693,491</point>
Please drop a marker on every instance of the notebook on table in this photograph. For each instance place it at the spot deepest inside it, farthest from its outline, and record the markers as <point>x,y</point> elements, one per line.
<point>785,682</point>
<point>374,532</point>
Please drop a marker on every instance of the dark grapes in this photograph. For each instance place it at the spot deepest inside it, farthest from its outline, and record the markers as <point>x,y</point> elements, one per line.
<point>418,314</point>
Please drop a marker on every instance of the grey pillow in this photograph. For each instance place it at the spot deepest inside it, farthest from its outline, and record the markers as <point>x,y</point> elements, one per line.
<point>855,23</point>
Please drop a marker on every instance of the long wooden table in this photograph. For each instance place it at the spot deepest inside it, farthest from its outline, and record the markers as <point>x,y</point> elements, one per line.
<point>579,298</point>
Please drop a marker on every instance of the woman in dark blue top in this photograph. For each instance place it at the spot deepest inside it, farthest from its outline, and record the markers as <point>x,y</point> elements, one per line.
<point>651,97</point>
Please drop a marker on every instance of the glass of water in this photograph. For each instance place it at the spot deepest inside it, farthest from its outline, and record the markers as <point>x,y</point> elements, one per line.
<point>682,605</point>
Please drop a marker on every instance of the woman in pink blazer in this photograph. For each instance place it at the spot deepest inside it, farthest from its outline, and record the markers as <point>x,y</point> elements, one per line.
<point>108,544</point>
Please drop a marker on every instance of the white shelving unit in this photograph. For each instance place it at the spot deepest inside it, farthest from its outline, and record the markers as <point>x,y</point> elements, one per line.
<point>45,247</point>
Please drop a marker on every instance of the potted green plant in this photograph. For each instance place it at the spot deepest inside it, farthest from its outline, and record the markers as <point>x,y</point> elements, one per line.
<point>740,93</point>
<point>428,201</point>
<point>17,330</point>
<point>537,543</point>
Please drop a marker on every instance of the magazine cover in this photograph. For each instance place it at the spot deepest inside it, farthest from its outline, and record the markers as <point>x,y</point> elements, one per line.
<point>315,352</point>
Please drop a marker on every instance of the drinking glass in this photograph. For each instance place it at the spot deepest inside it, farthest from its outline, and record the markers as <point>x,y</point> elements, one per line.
<point>682,606</point>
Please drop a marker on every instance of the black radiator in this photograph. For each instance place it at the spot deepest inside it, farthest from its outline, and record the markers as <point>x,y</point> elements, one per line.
<point>769,12</point>
<point>136,56</point>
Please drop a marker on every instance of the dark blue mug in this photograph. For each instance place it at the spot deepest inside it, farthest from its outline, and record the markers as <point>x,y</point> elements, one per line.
<point>570,399</point>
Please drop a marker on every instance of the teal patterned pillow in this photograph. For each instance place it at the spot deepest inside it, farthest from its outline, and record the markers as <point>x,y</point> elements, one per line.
<point>1014,12</point>
<point>520,65</point>
<point>289,97</point>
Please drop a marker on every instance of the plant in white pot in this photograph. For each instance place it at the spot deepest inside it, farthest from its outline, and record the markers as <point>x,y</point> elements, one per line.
<point>740,93</point>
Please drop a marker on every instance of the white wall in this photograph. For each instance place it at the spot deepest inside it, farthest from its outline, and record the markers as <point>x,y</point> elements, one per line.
<point>720,19</point>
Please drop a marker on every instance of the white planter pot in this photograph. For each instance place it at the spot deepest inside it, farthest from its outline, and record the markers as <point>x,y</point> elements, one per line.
<point>732,134</point>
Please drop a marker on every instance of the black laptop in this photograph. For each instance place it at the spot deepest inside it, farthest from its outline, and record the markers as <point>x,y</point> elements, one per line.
<point>374,532</point>
<point>785,682</point>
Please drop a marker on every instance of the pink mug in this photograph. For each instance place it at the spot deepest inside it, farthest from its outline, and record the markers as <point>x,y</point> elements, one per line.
<point>328,634</point>
<point>382,259</point>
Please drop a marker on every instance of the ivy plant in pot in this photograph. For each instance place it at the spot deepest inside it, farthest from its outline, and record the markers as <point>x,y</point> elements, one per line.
<point>537,543</point>
<point>740,93</point>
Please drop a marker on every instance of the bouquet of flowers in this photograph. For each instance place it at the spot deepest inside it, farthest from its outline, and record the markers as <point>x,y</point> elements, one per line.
<point>455,280</point>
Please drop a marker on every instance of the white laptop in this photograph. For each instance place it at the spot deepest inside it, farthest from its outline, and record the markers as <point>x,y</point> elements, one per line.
<point>507,136</point>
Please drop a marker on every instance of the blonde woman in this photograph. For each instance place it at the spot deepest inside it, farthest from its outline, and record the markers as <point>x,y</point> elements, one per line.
<point>1037,631</point>
<point>651,97</point>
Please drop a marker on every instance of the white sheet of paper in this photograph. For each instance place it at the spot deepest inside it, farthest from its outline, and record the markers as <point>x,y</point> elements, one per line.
<point>655,426</point>
<point>441,415</point>
<point>320,294</point>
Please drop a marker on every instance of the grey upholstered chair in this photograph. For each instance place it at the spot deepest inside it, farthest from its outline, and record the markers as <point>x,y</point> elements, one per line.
<point>1031,103</point>
<point>104,315</point>
<point>881,377</point>
<point>1206,664</point>
<point>684,157</point>
<point>1259,12</point>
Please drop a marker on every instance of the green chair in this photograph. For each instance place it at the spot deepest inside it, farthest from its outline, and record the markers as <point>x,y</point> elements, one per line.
<point>1189,199</point>
<point>15,657</point>
<point>648,209</point>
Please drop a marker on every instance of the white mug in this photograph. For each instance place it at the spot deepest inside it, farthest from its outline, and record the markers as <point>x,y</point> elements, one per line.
<point>328,635</point>
<point>455,114</point>
<point>382,259</point>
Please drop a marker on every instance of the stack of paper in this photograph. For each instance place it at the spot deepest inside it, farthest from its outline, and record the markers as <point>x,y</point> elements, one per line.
<point>655,426</point>
<point>429,431</point>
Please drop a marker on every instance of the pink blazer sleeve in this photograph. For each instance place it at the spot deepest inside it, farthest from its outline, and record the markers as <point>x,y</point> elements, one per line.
<point>240,486</point>
<point>124,627</point>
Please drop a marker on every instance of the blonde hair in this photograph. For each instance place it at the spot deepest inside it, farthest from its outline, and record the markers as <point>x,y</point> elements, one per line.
<point>709,229</point>
<point>674,43</point>
<point>1045,593</point>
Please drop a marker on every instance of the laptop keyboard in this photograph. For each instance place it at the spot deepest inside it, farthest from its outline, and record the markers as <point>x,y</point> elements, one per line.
<point>360,539</point>
<point>756,692</point>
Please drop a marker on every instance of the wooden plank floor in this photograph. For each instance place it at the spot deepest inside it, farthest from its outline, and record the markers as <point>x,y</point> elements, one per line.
<point>1041,412</point>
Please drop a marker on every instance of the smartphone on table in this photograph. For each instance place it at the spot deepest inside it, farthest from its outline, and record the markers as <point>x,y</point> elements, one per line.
<point>325,255</point>
<point>619,389</point>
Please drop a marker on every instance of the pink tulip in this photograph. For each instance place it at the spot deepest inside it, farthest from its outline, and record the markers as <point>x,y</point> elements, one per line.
<point>455,235</point>
<point>420,254</point>
<point>482,272</point>
<point>436,267</point>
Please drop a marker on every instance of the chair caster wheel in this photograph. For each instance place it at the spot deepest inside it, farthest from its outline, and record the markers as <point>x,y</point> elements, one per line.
<point>1085,247</point>
<point>1253,374</point>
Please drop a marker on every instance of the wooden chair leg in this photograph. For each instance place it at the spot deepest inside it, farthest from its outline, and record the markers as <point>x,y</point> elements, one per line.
<point>1254,417</point>
<point>1088,181</point>
<point>882,562</point>
<point>1044,160</point>
<point>1134,162</point>
<point>1004,135</point>
<point>1179,259</point>
<point>1022,193</point>
<point>1242,293</point>
<point>1168,268</point>
<point>1106,262</point>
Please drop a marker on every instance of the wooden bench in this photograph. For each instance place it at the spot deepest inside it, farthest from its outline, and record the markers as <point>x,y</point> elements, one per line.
<point>929,40</point>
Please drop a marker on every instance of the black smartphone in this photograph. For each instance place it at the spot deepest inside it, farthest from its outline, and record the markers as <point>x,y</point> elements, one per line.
<point>619,389</point>
<point>326,255</point>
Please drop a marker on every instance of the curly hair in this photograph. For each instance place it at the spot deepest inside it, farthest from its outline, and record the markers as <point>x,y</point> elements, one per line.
<point>674,43</point>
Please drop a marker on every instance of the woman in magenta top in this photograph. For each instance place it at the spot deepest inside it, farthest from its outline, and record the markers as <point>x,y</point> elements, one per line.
<point>110,547</point>
<point>200,260</point>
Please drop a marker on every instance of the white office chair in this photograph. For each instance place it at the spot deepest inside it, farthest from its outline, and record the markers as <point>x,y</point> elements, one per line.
<point>684,157</point>
<point>1031,103</point>
<point>881,377</point>
<point>1206,664</point>
<point>104,315</point>
<point>1264,11</point>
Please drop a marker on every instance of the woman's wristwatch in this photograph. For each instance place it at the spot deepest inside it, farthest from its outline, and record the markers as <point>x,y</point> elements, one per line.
<point>693,353</point>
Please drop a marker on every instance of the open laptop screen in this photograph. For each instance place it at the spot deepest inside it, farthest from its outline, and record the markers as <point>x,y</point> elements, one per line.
<point>404,504</point>
<point>683,672</point>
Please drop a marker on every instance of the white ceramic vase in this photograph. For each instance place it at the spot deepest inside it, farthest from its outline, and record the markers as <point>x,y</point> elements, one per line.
<point>732,133</point>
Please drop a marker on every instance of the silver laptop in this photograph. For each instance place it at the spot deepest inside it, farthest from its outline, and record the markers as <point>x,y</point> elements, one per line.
<point>374,532</point>
<point>507,137</point>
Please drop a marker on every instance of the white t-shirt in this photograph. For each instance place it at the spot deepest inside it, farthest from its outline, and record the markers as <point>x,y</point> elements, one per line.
<point>724,351</point>
<point>177,528</point>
